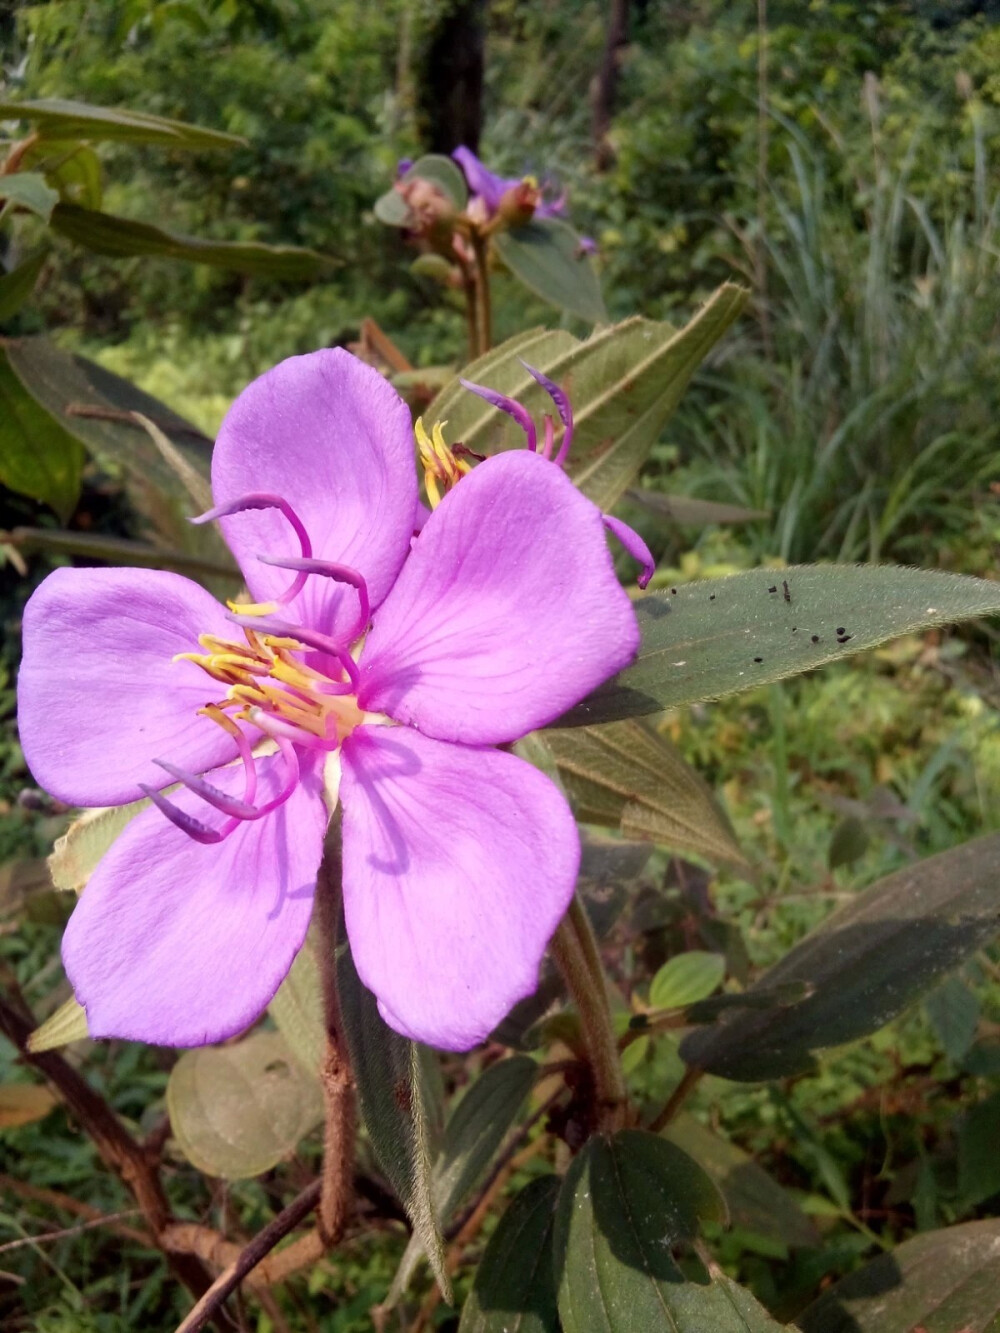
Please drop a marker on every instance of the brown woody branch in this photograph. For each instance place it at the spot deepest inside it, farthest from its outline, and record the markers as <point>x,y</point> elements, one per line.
<point>115,1145</point>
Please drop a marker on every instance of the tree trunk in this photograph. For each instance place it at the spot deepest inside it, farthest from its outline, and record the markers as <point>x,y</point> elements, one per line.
<point>606,83</point>
<point>451,92</point>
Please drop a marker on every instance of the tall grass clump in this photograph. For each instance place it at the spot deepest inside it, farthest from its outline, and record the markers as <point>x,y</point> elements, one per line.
<point>862,409</point>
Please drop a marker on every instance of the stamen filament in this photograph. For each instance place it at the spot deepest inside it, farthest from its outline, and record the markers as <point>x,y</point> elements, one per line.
<point>265,500</point>
<point>339,573</point>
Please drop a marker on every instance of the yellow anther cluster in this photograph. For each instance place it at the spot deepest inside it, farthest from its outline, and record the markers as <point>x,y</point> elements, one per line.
<point>439,462</point>
<point>262,674</point>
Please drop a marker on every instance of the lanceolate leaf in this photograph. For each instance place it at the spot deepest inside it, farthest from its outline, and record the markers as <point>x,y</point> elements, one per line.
<point>392,1090</point>
<point>625,1205</point>
<point>237,1110</point>
<point>696,513</point>
<point>38,456</point>
<point>686,979</point>
<point>942,1281</point>
<point>56,118</point>
<point>477,1127</point>
<point>93,404</point>
<point>624,382</point>
<point>545,254</point>
<point>514,1289</point>
<point>864,965</point>
<point>110,235</point>
<point>715,637</point>
<point>628,777</point>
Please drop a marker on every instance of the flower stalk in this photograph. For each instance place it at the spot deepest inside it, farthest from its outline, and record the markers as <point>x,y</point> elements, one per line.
<point>336,1075</point>
<point>575,951</point>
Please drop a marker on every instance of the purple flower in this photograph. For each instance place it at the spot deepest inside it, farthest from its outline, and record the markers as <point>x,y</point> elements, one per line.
<point>489,188</point>
<point>458,858</point>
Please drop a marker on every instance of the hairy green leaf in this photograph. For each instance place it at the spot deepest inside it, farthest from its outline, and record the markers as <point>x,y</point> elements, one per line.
<point>627,776</point>
<point>864,965</point>
<point>715,637</point>
<point>392,1081</point>
<point>236,1111</point>
<point>110,235</point>
<point>624,382</point>
<point>514,1289</point>
<point>944,1281</point>
<point>477,1127</point>
<point>59,118</point>
<point>545,254</point>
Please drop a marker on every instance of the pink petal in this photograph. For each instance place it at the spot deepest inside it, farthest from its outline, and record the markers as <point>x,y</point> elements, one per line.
<point>99,697</point>
<point>507,612</point>
<point>458,865</point>
<point>332,437</point>
<point>181,944</point>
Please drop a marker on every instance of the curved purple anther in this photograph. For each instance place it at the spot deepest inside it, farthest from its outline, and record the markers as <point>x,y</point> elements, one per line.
<point>312,639</point>
<point>219,800</point>
<point>291,778</point>
<point>563,407</point>
<point>194,828</point>
<point>339,573</point>
<point>265,500</point>
<point>635,546</point>
<point>513,409</point>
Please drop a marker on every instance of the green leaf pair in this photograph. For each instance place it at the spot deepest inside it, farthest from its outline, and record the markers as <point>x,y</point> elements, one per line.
<point>609,1249</point>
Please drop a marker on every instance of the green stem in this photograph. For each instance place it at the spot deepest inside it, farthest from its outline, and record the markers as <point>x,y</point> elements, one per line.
<point>574,949</point>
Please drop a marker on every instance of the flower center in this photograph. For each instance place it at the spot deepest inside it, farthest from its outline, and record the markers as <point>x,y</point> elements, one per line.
<point>311,703</point>
<point>295,686</point>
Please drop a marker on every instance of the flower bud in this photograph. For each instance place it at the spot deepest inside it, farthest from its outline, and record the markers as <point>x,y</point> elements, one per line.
<point>518,202</point>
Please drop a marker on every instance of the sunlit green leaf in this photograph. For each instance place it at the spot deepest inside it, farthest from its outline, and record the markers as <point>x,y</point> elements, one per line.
<point>624,382</point>
<point>942,1281</point>
<point>546,255</point>
<point>864,965</point>
<point>59,118</point>
<point>685,979</point>
<point>715,637</point>
<point>628,777</point>
<point>238,1110</point>
<point>626,1203</point>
